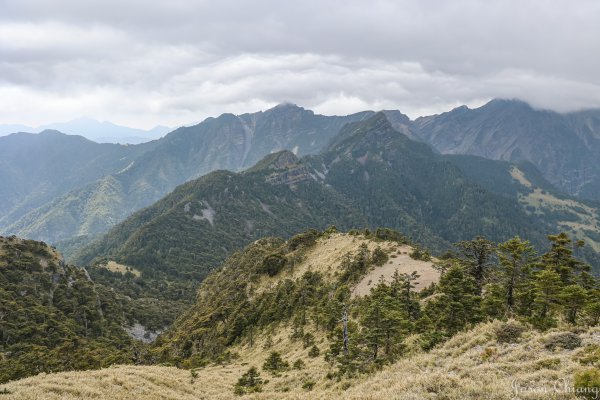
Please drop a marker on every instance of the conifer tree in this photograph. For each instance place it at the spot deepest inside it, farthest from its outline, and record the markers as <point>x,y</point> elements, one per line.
<point>476,255</point>
<point>516,258</point>
<point>547,286</point>
<point>459,303</point>
<point>561,260</point>
<point>384,321</point>
<point>573,299</point>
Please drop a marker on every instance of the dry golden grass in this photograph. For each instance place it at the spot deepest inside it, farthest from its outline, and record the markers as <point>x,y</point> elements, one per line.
<point>120,268</point>
<point>325,257</point>
<point>470,366</point>
<point>517,174</point>
<point>402,263</point>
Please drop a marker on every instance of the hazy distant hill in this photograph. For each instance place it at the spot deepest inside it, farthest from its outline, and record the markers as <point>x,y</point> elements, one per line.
<point>97,131</point>
<point>144,173</point>
<point>564,147</point>
<point>37,168</point>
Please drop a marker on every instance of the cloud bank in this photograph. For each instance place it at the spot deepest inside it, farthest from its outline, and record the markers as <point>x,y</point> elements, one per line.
<point>174,62</point>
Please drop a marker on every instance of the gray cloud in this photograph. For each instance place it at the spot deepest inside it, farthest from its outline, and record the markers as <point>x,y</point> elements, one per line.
<point>172,62</point>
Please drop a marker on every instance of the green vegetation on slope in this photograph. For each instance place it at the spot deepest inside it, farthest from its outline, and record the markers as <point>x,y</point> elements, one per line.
<point>246,299</point>
<point>52,317</point>
<point>371,175</point>
<point>91,187</point>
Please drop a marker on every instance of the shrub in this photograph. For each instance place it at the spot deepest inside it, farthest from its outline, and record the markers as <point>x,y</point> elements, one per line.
<point>314,352</point>
<point>420,254</point>
<point>391,235</point>
<point>379,257</point>
<point>274,363</point>
<point>193,375</point>
<point>548,363</point>
<point>591,355</point>
<point>268,343</point>
<point>587,383</point>
<point>273,263</point>
<point>509,332</point>
<point>308,385</point>
<point>306,239</point>
<point>564,340</point>
<point>299,364</point>
<point>330,230</point>
<point>250,382</point>
<point>308,340</point>
<point>489,353</point>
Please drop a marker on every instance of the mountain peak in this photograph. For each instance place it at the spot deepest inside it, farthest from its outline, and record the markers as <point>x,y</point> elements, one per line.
<point>51,132</point>
<point>375,125</point>
<point>506,103</point>
<point>287,108</point>
<point>287,105</point>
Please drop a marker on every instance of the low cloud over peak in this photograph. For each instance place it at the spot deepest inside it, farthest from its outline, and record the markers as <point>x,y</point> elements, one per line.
<point>143,63</point>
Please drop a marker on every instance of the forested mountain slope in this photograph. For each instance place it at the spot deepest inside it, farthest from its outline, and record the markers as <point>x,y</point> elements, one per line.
<point>371,175</point>
<point>286,319</point>
<point>36,168</point>
<point>52,316</point>
<point>120,188</point>
<point>564,147</point>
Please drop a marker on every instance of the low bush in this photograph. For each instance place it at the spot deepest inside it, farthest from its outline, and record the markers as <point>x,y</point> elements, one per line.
<point>299,364</point>
<point>591,355</point>
<point>306,239</point>
<point>587,383</point>
<point>314,352</point>
<point>250,382</point>
<point>509,332</point>
<point>563,340</point>
<point>273,264</point>
<point>274,363</point>
<point>308,385</point>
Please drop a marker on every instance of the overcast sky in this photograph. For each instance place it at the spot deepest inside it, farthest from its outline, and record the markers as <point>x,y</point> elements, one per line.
<point>143,63</point>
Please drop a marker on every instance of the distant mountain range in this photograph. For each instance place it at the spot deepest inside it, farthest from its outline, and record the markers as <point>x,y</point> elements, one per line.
<point>98,131</point>
<point>564,147</point>
<point>128,178</point>
<point>370,175</point>
<point>64,189</point>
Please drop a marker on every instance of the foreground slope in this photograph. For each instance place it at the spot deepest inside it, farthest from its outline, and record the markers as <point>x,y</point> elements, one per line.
<point>282,301</point>
<point>456,371</point>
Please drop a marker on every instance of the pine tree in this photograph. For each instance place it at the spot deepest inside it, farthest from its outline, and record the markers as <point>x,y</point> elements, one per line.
<point>573,299</point>
<point>561,260</point>
<point>547,286</point>
<point>402,286</point>
<point>516,258</point>
<point>249,382</point>
<point>458,303</point>
<point>385,321</point>
<point>476,255</point>
<point>592,307</point>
